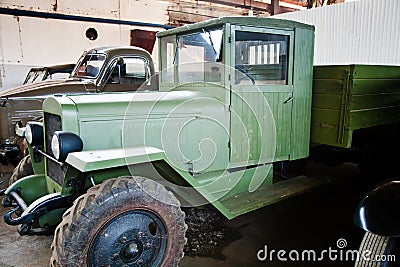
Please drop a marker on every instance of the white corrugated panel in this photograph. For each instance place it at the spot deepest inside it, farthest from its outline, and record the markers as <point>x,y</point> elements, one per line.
<point>359,32</point>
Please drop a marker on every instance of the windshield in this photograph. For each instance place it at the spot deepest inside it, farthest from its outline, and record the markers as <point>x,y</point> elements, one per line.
<point>89,65</point>
<point>198,56</point>
<point>35,75</point>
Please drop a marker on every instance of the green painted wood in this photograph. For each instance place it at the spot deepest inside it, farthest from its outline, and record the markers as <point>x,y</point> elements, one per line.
<point>370,101</point>
<point>327,86</point>
<point>330,72</point>
<point>265,123</point>
<point>376,72</point>
<point>348,98</point>
<point>260,119</point>
<point>325,116</point>
<point>329,135</point>
<point>326,101</point>
<point>374,117</point>
<point>282,118</point>
<point>375,86</point>
<point>302,93</point>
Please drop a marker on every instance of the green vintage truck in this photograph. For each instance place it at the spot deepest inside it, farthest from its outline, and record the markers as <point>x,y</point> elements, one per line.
<point>113,170</point>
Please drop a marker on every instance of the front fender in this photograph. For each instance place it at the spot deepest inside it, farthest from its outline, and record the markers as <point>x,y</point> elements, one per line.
<point>379,211</point>
<point>30,187</point>
<point>95,160</point>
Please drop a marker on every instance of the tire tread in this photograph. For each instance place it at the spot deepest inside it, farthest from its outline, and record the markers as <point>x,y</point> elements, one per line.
<point>104,200</point>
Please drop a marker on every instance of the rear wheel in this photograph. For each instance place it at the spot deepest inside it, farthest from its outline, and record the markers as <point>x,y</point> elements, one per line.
<point>24,168</point>
<point>378,251</point>
<point>121,222</point>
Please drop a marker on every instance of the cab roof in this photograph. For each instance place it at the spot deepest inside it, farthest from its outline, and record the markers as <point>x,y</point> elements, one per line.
<point>119,50</point>
<point>238,20</point>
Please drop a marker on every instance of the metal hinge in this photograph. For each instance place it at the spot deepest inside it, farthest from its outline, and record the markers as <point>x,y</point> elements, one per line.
<point>344,105</point>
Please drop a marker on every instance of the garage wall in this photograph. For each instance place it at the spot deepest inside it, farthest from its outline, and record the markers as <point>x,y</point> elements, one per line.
<point>359,32</point>
<point>28,41</point>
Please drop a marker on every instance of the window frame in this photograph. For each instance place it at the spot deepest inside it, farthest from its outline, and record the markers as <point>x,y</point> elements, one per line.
<point>79,63</point>
<point>163,61</point>
<point>288,87</point>
<point>175,59</point>
<point>112,64</point>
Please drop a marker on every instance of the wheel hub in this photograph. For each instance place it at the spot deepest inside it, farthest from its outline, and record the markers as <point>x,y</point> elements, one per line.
<point>133,238</point>
<point>131,251</point>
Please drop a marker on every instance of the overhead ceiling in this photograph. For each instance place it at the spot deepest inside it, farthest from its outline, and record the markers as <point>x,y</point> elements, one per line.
<point>182,12</point>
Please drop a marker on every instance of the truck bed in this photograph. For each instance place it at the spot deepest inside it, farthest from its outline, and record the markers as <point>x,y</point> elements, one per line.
<point>351,97</point>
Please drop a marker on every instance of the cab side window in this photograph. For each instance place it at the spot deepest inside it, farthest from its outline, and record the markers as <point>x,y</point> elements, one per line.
<point>261,58</point>
<point>130,70</point>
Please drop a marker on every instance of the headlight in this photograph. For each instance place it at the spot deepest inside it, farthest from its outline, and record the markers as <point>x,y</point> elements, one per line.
<point>64,143</point>
<point>55,147</point>
<point>34,133</point>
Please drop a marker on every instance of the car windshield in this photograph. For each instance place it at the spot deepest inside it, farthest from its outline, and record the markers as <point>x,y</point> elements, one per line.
<point>89,65</point>
<point>36,75</point>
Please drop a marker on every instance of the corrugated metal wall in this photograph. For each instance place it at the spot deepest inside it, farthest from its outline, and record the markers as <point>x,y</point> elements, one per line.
<point>360,32</point>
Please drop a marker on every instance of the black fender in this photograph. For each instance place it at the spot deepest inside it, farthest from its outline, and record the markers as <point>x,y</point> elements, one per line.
<point>379,211</point>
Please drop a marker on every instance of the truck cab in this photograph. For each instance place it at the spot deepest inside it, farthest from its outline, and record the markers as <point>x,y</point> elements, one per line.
<point>261,70</point>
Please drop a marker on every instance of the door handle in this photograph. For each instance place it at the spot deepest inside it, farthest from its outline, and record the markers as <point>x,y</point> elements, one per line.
<point>290,99</point>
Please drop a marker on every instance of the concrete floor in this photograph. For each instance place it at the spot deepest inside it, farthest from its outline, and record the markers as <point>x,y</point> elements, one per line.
<point>314,220</point>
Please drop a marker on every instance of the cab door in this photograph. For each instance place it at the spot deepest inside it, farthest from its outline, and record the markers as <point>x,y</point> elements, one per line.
<point>261,94</point>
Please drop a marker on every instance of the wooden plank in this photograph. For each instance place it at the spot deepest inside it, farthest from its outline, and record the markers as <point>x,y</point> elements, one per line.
<point>357,71</point>
<point>325,116</point>
<point>374,86</point>
<point>376,72</point>
<point>269,194</point>
<point>325,101</point>
<point>329,135</point>
<point>330,72</point>
<point>374,117</point>
<point>370,101</point>
<point>327,86</point>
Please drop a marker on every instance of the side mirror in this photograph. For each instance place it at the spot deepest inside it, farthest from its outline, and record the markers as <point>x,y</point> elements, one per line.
<point>120,61</point>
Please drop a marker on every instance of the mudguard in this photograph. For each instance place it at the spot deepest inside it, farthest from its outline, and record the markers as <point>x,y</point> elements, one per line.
<point>94,160</point>
<point>29,188</point>
<point>379,211</point>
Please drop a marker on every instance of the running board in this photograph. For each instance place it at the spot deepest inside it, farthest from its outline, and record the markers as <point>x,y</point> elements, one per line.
<point>245,202</point>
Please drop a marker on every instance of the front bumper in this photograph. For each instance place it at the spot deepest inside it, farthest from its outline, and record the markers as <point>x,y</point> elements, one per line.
<point>34,210</point>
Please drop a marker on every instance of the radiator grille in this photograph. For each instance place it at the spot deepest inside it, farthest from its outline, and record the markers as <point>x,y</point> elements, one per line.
<point>52,123</point>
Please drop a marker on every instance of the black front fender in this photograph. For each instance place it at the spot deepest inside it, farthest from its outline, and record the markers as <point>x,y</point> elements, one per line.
<point>379,211</point>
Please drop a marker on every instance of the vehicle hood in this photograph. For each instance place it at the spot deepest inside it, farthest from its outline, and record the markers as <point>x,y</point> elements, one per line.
<point>48,87</point>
